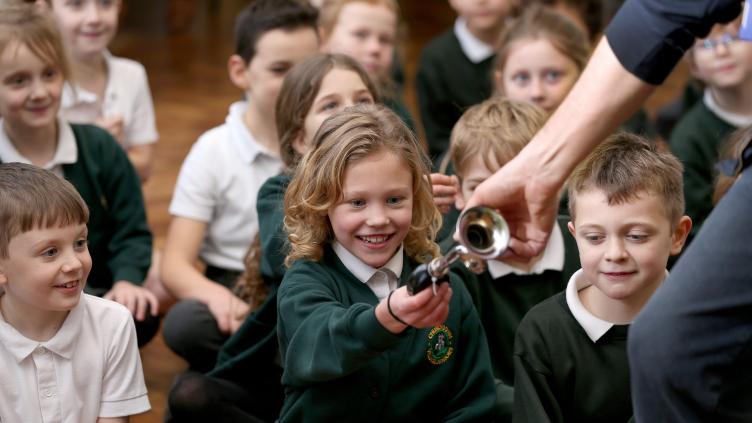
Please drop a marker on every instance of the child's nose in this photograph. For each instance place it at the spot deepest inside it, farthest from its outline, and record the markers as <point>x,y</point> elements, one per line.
<point>377,217</point>
<point>72,263</point>
<point>615,250</point>
<point>537,93</point>
<point>92,12</point>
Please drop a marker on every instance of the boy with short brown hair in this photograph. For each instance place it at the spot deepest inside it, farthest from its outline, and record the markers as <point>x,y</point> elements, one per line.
<point>570,358</point>
<point>63,355</point>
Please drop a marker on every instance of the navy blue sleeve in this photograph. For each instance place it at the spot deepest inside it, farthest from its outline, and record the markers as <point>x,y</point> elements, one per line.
<point>650,36</point>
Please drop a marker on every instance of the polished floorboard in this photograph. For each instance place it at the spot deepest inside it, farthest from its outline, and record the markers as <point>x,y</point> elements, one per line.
<point>184,45</point>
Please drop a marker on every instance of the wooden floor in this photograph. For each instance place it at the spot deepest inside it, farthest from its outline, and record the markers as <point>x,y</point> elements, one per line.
<point>184,47</point>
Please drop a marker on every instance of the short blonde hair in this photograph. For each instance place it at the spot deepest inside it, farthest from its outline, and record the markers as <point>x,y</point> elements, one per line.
<point>626,165</point>
<point>34,198</point>
<point>317,185</point>
<point>496,129</point>
<point>34,28</point>
<point>300,88</point>
<point>330,9</point>
<point>539,22</point>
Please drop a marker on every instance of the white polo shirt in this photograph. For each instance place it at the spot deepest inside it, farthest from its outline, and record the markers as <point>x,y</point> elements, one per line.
<point>66,152</point>
<point>475,49</point>
<point>218,184</point>
<point>552,259</point>
<point>127,94</point>
<point>91,368</point>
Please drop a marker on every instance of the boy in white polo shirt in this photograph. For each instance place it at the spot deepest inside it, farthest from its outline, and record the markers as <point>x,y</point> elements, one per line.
<point>64,356</point>
<point>214,205</point>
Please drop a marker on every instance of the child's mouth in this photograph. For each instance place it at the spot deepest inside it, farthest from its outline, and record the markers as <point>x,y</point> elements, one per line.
<point>374,240</point>
<point>68,286</point>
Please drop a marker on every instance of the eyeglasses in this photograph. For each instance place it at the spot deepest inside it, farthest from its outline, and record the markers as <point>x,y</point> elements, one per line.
<point>712,43</point>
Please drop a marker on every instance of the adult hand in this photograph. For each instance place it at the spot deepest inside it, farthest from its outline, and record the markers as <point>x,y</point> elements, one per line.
<point>526,199</point>
<point>135,298</point>
<point>227,309</point>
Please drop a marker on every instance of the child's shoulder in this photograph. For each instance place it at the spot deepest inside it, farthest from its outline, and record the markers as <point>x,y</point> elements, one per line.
<point>439,45</point>
<point>105,311</point>
<point>122,67</point>
<point>550,316</point>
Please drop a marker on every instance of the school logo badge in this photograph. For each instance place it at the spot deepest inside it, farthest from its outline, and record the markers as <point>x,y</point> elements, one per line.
<point>440,345</point>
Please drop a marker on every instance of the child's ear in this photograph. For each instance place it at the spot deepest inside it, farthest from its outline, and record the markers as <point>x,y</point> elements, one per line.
<point>238,71</point>
<point>691,60</point>
<point>323,40</point>
<point>680,234</point>
<point>298,144</point>
<point>3,278</point>
<point>498,81</point>
<point>570,226</point>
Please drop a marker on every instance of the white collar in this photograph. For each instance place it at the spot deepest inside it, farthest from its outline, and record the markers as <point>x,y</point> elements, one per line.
<point>593,326</point>
<point>734,119</point>
<point>243,141</point>
<point>552,259</point>
<point>62,343</point>
<point>66,152</point>
<point>475,49</point>
<point>362,271</point>
<point>72,95</point>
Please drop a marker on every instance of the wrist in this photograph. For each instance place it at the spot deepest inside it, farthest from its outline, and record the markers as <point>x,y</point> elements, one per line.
<point>386,320</point>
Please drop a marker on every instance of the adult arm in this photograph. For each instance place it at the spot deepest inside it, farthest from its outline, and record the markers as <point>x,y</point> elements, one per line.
<point>616,81</point>
<point>526,189</point>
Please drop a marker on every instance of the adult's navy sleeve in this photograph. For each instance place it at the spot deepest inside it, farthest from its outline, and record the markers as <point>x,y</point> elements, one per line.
<point>650,36</point>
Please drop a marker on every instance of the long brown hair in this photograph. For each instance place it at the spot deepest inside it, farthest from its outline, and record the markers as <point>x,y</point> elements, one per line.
<point>344,138</point>
<point>299,90</point>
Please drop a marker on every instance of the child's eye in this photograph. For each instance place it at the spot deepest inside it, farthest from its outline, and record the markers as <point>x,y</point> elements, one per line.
<point>393,201</point>
<point>637,237</point>
<point>593,238</point>
<point>357,203</point>
<point>365,100</point>
<point>81,244</point>
<point>329,106</point>
<point>74,3</point>
<point>521,78</point>
<point>553,75</point>
<point>50,252</point>
<point>279,70</point>
<point>16,80</point>
<point>50,73</point>
<point>361,34</point>
<point>386,40</point>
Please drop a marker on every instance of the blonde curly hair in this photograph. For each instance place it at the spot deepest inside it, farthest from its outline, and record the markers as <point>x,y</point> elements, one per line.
<point>345,138</point>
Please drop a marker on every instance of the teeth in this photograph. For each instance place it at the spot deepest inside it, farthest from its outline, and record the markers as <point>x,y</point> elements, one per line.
<point>68,285</point>
<point>374,239</point>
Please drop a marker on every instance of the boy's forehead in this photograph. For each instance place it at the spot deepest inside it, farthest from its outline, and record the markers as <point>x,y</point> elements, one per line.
<point>595,202</point>
<point>287,44</point>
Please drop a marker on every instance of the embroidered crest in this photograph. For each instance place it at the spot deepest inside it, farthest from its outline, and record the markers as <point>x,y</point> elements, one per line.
<point>440,345</point>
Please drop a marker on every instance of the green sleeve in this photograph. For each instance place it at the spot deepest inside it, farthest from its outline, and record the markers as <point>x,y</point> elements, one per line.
<point>271,214</point>
<point>130,241</point>
<point>320,338</point>
<point>534,398</point>
<point>474,398</point>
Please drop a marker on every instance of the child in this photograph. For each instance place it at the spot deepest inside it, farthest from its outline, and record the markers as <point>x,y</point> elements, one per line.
<point>64,356</point>
<point>587,14</point>
<point>214,204</point>
<point>33,69</point>
<point>366,30</point>
<point>454,69</point>
<point>724,64</point>
<point>486,137</point>
<point>313,90</point>
<point>111,92</point>
<point>317,88</point>
<point>542,54</point>
<point>626,204</point>
<point>354,344</point>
